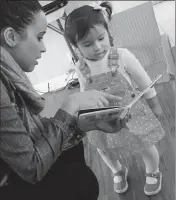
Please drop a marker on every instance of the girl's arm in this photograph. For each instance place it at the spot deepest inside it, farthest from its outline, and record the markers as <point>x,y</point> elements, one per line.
<point>140,77</point>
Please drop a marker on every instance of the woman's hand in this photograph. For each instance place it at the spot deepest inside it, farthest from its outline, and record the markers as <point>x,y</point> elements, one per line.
<point>112,126</point>
<point>86,100</point>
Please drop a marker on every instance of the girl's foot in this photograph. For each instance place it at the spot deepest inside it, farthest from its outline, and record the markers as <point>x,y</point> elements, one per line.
<point>153,183</point>
<point>120,180</point>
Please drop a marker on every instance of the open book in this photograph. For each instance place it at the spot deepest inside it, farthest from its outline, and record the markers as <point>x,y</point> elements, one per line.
<point>90,116</point>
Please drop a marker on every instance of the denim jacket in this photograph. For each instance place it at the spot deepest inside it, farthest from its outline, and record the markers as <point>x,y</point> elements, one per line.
<point>30,156</point>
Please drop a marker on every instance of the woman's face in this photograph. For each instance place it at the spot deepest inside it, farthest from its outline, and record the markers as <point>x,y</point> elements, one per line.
<point>28,49</point>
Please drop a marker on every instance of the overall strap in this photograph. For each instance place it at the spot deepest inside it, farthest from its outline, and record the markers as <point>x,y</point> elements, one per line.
<point>113,65</point>
<point>113,60</point>
<point>85,70</point>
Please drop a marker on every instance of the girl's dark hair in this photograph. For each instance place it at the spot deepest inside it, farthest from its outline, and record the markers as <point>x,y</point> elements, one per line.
<point>18,14</point>
<point>81,20</point>
<point>108,7</point>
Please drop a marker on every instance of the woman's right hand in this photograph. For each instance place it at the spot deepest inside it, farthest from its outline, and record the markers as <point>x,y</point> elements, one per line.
<point>86,100</point>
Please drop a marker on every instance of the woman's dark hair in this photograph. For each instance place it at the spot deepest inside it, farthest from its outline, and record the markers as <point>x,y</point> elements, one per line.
<point>18,14</point>
<point>81,20</point>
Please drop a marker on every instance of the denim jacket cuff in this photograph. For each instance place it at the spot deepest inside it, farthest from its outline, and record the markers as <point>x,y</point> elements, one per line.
<point>68,124</point>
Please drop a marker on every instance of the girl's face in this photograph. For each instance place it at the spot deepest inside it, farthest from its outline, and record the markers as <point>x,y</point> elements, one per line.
<point>29,47</point>
<point>96,43</point>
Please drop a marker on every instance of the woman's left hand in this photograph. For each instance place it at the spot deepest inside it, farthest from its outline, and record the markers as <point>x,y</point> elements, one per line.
<point>111,126</point>
<point>115,125</point>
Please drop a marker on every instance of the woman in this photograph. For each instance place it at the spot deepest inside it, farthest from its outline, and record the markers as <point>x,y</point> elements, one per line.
<point>31,164</point>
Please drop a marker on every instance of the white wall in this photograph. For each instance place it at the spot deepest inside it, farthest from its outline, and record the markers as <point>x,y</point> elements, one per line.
<point>119,6</point>
<point>165,17</point>
<point>54,62</point>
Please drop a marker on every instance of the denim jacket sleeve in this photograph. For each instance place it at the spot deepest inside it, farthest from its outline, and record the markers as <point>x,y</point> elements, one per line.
<point>28,158</point>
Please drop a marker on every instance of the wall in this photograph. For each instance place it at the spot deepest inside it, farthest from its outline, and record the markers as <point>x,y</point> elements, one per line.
<point>165,17</point>
<point>54,62</point>
<point>119,6</point>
